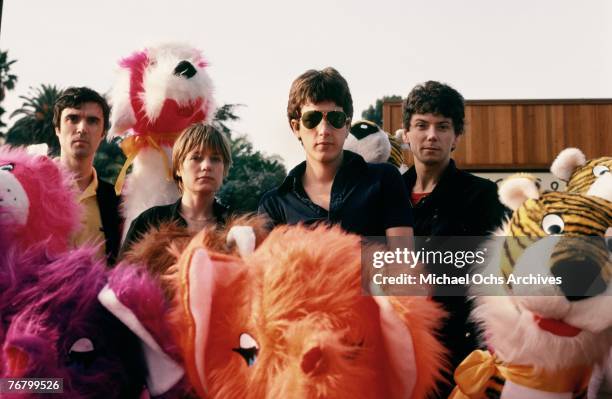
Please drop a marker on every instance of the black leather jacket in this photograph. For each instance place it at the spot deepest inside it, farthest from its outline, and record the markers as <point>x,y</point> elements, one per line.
<point>461,204</point>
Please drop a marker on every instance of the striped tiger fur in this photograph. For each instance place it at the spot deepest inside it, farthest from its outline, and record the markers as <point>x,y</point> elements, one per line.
<point>559,335</point>
<point>397,155</point>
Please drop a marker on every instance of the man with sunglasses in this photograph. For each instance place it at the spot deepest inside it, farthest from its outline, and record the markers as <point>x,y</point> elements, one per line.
<point>334,185</point>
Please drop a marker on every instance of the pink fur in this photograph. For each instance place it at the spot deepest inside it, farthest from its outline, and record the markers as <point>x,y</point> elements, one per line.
<point>53,213</point>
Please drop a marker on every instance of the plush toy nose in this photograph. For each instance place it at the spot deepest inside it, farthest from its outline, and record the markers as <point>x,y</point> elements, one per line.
<point>16,360</point>
<point>185,69</point>
<point>580,279</point>
<point>312,361</point>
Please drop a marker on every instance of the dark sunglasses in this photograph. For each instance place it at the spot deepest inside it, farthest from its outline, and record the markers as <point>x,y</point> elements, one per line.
<point>311,119</point>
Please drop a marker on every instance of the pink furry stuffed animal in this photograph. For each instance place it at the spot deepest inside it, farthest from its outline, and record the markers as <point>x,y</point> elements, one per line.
<point>62,313</point>
<point>37,200</point>
<point>290,321</point>
<point>159,91</point>
<point>104,333</point>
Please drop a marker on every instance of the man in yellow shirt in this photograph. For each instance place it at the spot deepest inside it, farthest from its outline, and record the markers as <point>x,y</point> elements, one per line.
<point>81,120</point>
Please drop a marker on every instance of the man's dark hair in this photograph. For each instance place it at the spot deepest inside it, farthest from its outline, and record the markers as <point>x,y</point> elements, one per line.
<point>434,97</point>
<point>74,97</point>
<point>318,86</point>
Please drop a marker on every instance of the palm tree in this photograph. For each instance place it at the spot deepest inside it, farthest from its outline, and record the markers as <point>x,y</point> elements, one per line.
<point>7,80</point>
<point>36,122</point>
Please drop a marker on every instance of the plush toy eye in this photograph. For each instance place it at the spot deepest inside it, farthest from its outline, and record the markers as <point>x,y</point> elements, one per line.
<point>7,167</point>
<point>600,170</point>
<point>81,353</point>
<point>553,224</point>
<point>248,349</point>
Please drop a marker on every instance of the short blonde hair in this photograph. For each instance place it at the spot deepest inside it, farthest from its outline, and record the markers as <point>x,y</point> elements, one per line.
<point>200,136</point>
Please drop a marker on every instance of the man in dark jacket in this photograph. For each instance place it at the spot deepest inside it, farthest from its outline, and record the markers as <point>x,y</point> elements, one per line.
<point>81,120</point>
<point>446,201</point>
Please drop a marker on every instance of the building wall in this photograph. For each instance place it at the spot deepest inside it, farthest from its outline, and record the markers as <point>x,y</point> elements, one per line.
<point>523,135</point>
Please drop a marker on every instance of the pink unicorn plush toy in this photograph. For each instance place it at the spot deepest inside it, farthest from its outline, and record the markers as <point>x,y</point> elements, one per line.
<point>159,92</point>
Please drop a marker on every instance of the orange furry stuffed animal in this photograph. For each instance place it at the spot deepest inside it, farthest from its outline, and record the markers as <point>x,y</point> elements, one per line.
<point>160,247</point>
<point>290,321</point>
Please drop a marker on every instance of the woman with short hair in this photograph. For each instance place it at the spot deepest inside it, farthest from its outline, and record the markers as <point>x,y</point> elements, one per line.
<point>201,158</point>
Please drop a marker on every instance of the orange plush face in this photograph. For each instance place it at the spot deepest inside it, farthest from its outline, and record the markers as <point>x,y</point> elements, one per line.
<point>290,321</point>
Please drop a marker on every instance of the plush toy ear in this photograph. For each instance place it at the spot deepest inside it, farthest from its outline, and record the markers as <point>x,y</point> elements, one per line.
<point>122,116</point>
<point>201,276</point>
<point>399,347</point>
<point>132,298</point>
<point>244,238</point>
<point>517,189</point>
<point>567,162</point>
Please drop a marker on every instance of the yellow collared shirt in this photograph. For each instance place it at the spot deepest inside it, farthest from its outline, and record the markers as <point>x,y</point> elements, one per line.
<point>91,231</point>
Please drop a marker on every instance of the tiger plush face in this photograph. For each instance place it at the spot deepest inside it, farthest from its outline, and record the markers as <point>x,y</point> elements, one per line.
<point>554,235</point>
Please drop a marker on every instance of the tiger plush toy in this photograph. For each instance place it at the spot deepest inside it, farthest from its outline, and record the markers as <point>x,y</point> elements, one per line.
<point>543,339</point>
<point>572,167</point>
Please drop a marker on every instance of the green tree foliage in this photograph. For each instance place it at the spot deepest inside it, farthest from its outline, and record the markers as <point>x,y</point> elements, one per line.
<point>109,160</point>
<point>374,112</point>
<point>7,81</point>
<point>252,173</point>
<point>35,124</point>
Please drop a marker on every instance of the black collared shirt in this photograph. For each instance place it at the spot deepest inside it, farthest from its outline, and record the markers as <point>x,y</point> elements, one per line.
<point>155,216</point>
<point>365,199</point>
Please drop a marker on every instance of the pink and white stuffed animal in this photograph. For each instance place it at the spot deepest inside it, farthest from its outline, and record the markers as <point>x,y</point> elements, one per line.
<point>37,200</point>
<point>159,91</point>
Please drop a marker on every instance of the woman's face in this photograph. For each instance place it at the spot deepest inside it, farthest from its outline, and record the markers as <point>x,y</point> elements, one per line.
<point>202,171</point>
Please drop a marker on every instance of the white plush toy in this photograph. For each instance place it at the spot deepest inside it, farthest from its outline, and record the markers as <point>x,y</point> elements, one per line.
<point>374,144</point>
<point>159,91</point>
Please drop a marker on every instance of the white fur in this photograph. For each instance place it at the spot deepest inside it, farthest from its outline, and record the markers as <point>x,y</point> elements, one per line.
<point>13,200</point>
<point>510,329</point>
<point>567,162</point>
<point>600,386</point>
<point>147,185</point>
<point>514,191</point>
<point>38,149</point>
<point>160,83</point>
<point>602,187</point>
<point>244,238</point>
<point>375,148</point>
<point>122,116</point>
<point>512,390</point>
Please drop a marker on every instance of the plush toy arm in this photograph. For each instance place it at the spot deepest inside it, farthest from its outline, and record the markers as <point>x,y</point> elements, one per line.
<point>138,302</point>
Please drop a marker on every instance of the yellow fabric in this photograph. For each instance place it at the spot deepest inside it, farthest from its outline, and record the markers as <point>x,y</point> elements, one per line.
<point>91,231</point>
<point>132,145</point>
<point>474,375</point>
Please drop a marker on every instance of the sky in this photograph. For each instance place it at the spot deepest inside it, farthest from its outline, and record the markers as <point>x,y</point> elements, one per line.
<point>527,49</point>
